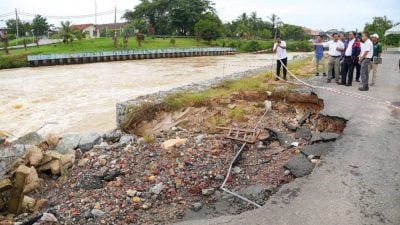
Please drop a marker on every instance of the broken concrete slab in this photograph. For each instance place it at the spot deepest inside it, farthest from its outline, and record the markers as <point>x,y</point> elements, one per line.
<point>299,166</point>
<point>68,142</point>
<point>317,150</point>
<point>324,137</point>
<point>303,133</point>
<point>289,126</point>
<point>52,140</point>
<point>284,140</point>
<point>88,141</point>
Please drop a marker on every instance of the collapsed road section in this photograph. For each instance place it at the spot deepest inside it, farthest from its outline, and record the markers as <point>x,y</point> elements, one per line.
<point>170,159</point>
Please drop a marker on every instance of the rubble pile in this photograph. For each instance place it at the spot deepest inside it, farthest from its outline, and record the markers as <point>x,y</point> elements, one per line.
<point>172,175</point>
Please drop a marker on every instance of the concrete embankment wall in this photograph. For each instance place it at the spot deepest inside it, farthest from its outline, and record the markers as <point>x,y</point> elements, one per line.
<point>94,57</point>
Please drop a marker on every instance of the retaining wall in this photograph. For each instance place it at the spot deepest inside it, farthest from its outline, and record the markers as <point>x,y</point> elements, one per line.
<point>94,57</point>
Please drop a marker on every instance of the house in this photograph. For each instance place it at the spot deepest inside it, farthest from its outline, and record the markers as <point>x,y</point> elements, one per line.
<point>107,29</point>
<point>311,32</point>
<point>89,30</point>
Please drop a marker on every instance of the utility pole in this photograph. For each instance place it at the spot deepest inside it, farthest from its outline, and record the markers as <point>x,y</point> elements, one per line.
<point>95,18</point>
<point>16,22</point>
<point>115,22</point>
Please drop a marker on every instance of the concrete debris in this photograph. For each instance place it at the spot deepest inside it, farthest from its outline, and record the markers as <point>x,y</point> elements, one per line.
<point>303,119</point>
<point>318,150</point>
<point>173,143</point>
<point>48,217</point>
<point>299,166</point>
<point>324,137</point>
<point>303,133</point>
<point>89,182</point>
<point>157,189</point>
<point>208,191</point>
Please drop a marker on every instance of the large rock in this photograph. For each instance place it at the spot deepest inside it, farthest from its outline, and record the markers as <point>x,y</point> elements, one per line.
<point>68,142</point>
<point>303,133</point>
<point>299,166</point>
<point>57,163</point>
<point>172,143</point>
<point>34,155</point>
<point>8,155</point>
<point>318,150</point>
<point>126,140</point>
<point>112,136</point>
<point>89,182</point>
<point>32,180</point>
<point>32,138</point>
<point>324,137</point>
<point>52,140</point>
<point>88,141</point>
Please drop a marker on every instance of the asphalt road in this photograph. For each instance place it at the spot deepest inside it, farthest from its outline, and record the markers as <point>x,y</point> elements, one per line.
<point>359,182</point>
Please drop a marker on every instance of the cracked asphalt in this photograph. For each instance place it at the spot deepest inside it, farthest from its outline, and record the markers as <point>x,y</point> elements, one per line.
<point>359,182</point>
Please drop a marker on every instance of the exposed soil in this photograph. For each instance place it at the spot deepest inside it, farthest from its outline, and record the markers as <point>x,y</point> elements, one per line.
<point>188,171</point>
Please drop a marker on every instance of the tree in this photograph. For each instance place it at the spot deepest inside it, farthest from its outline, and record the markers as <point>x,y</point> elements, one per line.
<point>169,17</point>
<point>293,32</point>
<point>379,25</point>
<point>40,25</point>
<point>209,27</point>
<point>23,27</point>
<point>68,33</point>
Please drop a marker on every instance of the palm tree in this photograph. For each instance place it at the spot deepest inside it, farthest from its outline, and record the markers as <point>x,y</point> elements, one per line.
<point>67,32</point>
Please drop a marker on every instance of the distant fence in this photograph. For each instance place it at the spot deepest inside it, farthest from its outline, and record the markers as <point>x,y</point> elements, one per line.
<point>93,57</point>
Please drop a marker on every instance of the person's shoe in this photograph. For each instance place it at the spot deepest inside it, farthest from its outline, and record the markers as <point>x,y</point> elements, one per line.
<point>324,74</point>
<point>317,74</point>
<point>357,80</point>
<point>276,79</point>
<point>349,85</point>
<point>372,84</point>
<point>341,83</point>
<point>363,89</point>
<point>328,81</point>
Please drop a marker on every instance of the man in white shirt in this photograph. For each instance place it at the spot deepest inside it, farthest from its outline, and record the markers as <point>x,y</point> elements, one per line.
<point>280,49</point>
<point>367,52</point>
<point>335,47</point>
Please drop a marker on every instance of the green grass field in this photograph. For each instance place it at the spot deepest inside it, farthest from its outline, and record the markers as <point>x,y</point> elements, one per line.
<point>106,44</point>
<point>18,42</point>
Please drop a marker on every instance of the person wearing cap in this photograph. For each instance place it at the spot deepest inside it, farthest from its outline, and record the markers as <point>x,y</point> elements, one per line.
<point>280,49</point>
<point>377,54</point>
<point>335,47</point>
<point>367,52</point>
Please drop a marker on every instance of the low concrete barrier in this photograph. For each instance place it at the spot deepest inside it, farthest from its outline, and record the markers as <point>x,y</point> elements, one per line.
<point>93,57</point>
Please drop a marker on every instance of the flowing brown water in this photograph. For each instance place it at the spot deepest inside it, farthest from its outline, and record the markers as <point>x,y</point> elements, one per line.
<point>82,98</point>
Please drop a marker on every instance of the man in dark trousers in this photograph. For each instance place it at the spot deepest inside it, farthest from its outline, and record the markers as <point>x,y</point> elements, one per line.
<point>357,65</point>
<point>280,49</point>
<point>351,54</point>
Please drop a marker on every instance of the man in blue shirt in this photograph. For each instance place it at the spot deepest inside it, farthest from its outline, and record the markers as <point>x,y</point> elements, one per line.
<point>319,55</point>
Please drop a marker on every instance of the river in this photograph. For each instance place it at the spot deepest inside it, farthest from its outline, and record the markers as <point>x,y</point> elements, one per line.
<point>82,98</point>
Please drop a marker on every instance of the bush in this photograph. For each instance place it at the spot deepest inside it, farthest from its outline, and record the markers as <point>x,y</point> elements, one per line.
<point>11,61</point>
<point>252,46</point>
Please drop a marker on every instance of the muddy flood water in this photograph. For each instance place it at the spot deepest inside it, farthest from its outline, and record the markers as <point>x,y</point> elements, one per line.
<point>82,98</point>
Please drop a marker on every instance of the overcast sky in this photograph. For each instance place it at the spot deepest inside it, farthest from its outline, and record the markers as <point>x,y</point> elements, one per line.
<point>316,14</point>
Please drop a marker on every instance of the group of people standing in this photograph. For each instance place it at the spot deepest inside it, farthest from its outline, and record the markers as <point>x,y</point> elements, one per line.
<point>346,54</point>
